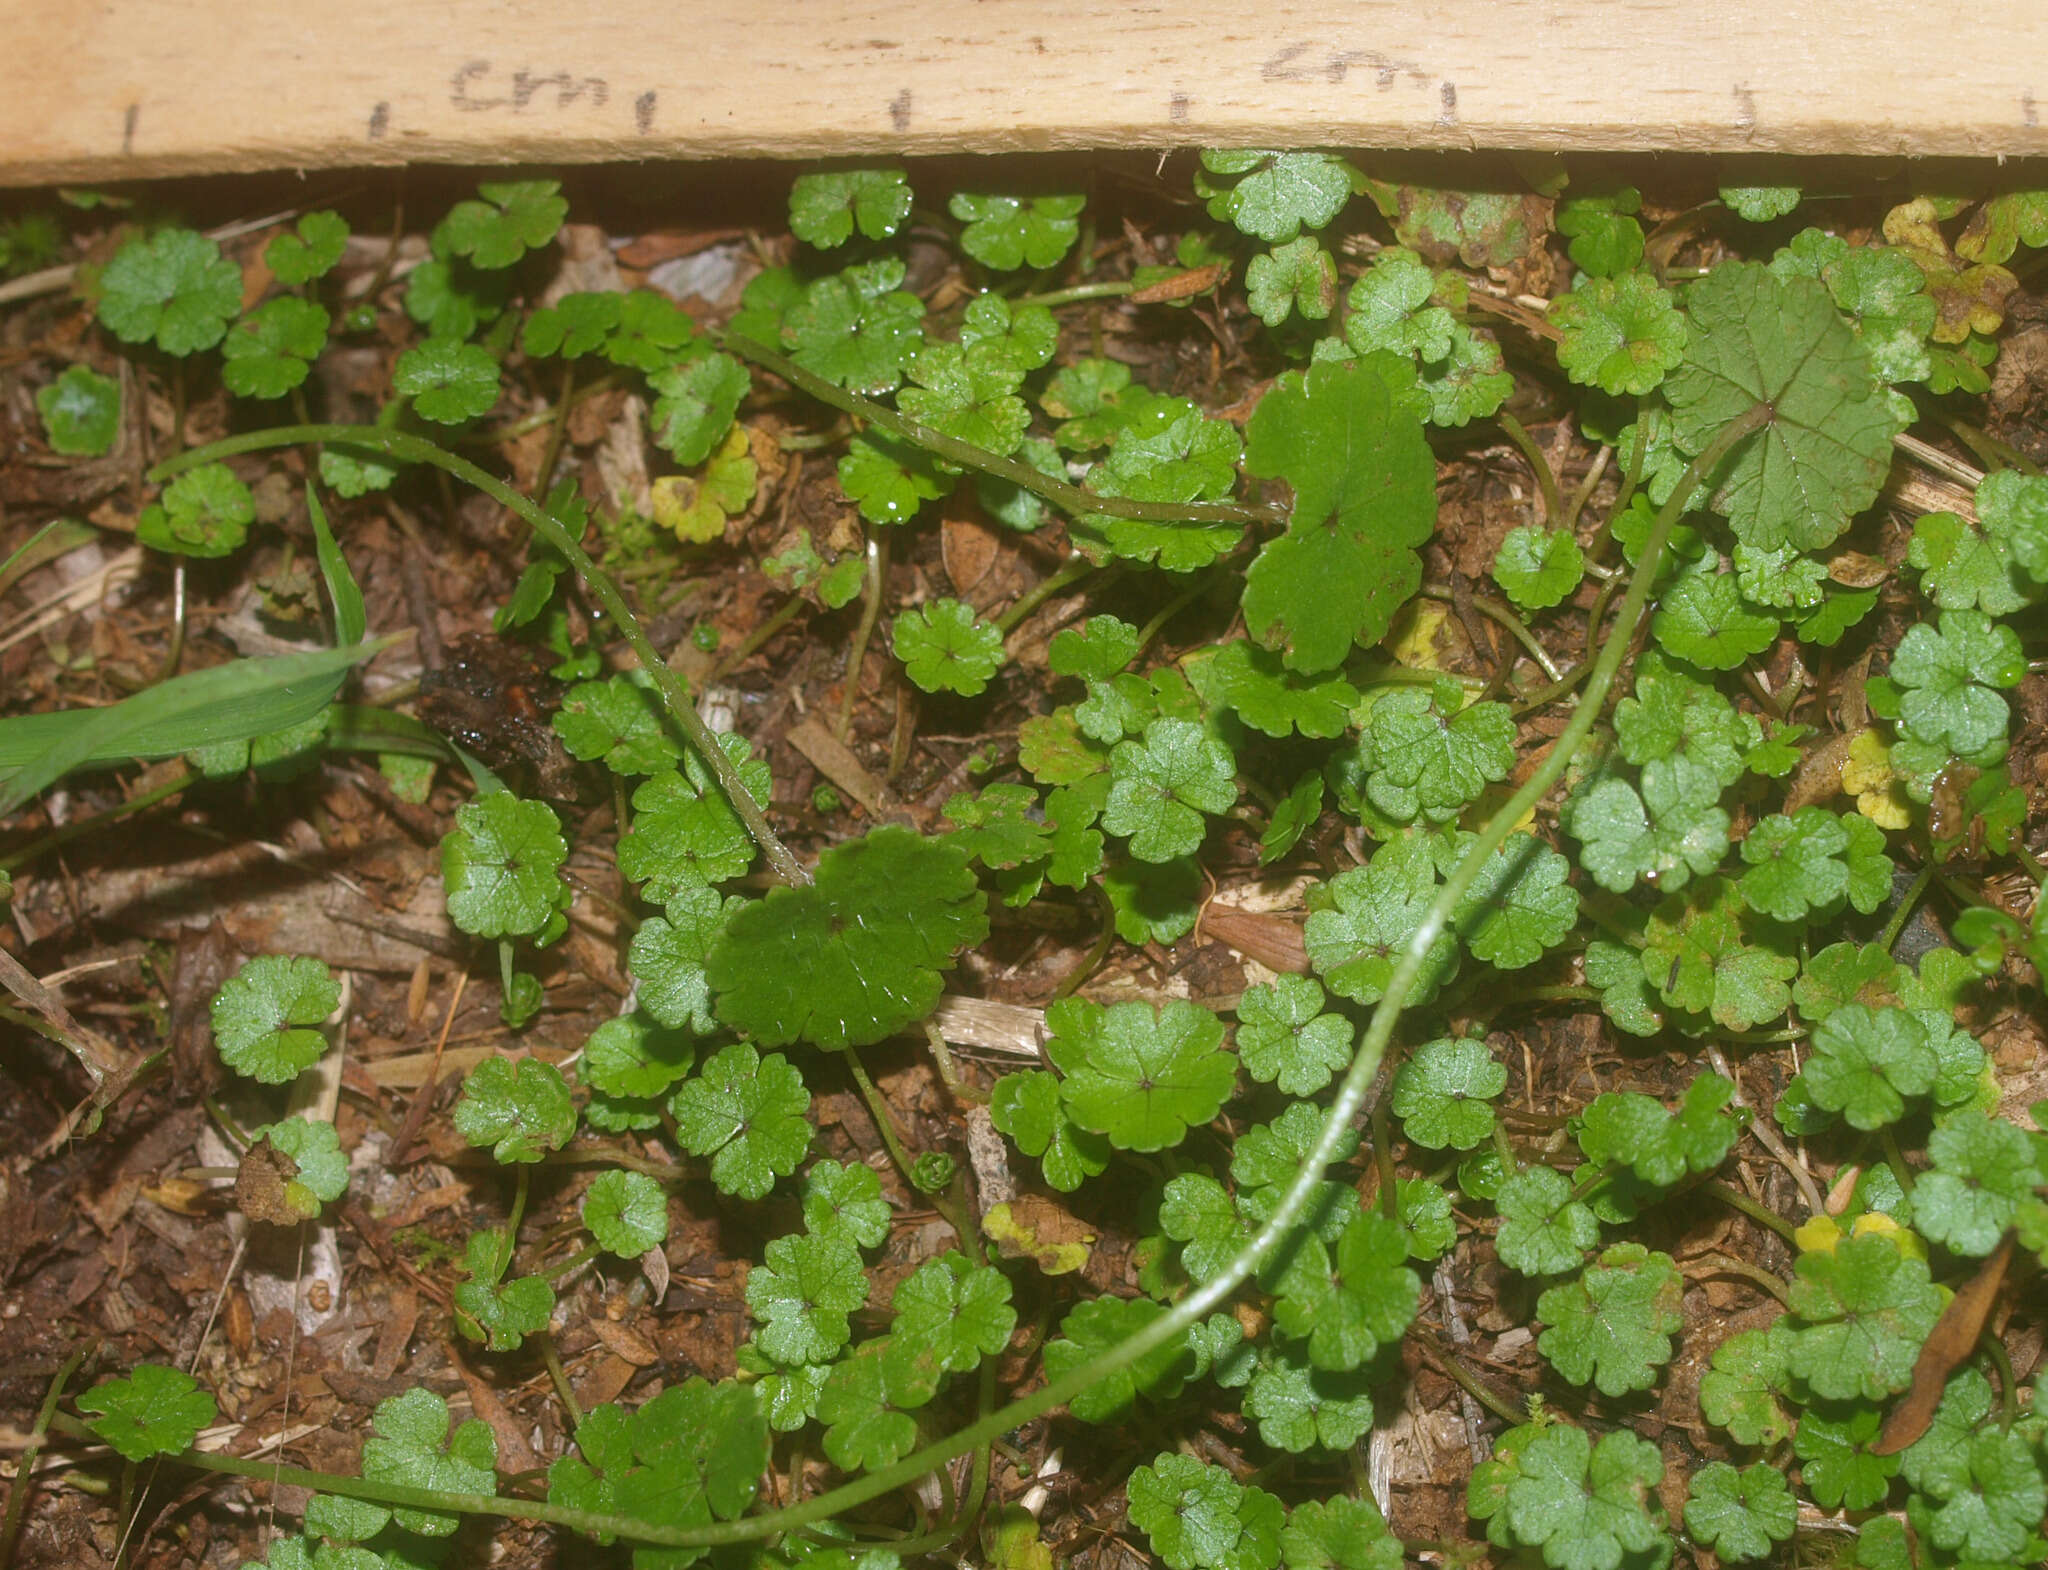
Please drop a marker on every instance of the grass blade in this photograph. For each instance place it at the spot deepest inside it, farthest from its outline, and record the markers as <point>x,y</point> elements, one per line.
<point>233,702</point>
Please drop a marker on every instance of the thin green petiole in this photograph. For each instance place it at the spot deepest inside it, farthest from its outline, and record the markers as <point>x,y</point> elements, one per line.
<point>1494,611</point>
<point>870,612</point>
<point>1069,572</point>
<point>522,1184</point>
<point>885,1120</point>
<point>885,1123</point>
<point>1471,1384</point>
<point>756,640</point>
<point>1211,1295</point>
<point>1735,1199</point>
<point>1721,1264</point>
<point>25,1463</point>
<point>99,821</point>
<point>1904,913</point>
<point>1078,294</point>
<point>560,1377</point>
<point>1546,478</point>
<point>1167,612</point>
<point>573,1263</point>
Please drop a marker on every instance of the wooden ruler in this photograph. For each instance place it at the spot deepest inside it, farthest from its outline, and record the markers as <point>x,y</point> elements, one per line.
<point>95,90</point>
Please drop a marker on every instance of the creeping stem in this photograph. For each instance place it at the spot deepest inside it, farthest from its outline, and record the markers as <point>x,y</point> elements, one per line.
<point>1209,1296</point>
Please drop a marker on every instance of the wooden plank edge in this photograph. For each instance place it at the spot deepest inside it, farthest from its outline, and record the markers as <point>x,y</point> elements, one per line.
<point>141,89</point>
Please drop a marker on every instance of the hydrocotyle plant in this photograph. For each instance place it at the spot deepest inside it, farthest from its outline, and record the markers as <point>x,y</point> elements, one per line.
<point>1641,827</point>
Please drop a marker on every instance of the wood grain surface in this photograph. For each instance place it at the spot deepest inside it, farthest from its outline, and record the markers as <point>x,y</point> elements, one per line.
<point>134,88</point>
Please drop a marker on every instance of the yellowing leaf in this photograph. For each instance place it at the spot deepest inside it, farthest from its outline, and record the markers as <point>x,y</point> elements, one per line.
<point>1413,639</point>
<point>1822,1234</point>
<point>697,508</point>
<point>1875,1223</point>
<point>1967,299</point>
<point>1038,1230</point>
<point>1818,1235</point>
<point>1867,775</point>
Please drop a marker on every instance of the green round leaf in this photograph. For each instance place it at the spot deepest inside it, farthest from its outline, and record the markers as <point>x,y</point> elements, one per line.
<point>1539,568</point>
<point>945,647</point>
<point>511,218</point>
<point>154,1411</point>
<point>501,864</point>
<point>1621,335</point>
<point>448,381</point>
<point>1139,1077</point>
<point>81,412</point>
<point>824,209</point>
<point>855,956</point>
<point>521,1110</point>
<point>174,288</point>
<point>272,349</point>
<point>265,1014</point>
<point>627,1213</point>
<point>1008,232</point>
<point>1757,338</point>
<point>309,250</point>
<point>204,512</point>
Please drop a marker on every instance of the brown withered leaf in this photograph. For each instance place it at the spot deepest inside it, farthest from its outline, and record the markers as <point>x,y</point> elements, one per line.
<point>1181,285</point>
<point>1035,1228</point>
<point>969,548</point>
<point>1858,570</point>
<point>1953,1339</point>
<point>1273,940</point>
<point>623,1341</point>
<point>260,1185</point>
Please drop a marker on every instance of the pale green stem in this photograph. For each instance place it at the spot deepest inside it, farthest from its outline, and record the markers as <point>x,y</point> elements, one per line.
<point>758,638</point>
<point>1071,571</point>
<point>1501,616</point>
<point>25,1463</point>
<point>1902,915</point>
<point>1721,1264</point>
<point>560,1376</point>
<point>98,822</point>
<point>1167,612</point>
<point>521,1185</point>
<point>942,1060</point>
<point>1211,1295</point>
<point>870,612</point>
<point>1078,294</point>
<point>1763,1215</point>
<point>1546,480</point>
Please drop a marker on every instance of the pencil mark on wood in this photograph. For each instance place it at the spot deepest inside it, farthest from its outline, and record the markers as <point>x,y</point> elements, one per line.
<point>1177,108</point>
<point>1281,67</point>
<point>568,88</point>
<point>128,128</point>
<point>380,122</point>
<point>1448,115</point>
<point>1301,63</point>
<point>481,87</point>
<point>1745,109</point>
<point>899,111</point>
<point>1341,61</point>
<point>458,88</point>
